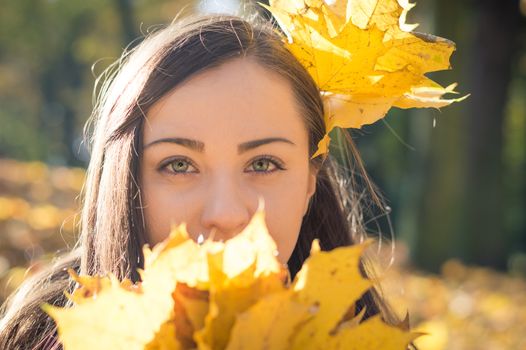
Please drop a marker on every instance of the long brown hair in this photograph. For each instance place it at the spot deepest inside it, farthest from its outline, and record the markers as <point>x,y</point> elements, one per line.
<point>112,229</point>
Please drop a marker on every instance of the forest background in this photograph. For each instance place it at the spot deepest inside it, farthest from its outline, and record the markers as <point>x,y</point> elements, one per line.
<point>455,179</point>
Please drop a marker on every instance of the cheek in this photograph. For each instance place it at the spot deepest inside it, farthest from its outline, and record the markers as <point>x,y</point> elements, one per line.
<point>284,214</point>
<point>155,212</point>
<point>162,209</point>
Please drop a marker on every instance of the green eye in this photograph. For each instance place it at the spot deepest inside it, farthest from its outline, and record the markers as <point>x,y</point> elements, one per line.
<point>179,166</point>
<point>261,165</point>
<point>266,165</point>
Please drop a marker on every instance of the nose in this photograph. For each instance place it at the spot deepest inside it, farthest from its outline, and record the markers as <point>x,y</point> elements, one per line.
<point>226,210</point>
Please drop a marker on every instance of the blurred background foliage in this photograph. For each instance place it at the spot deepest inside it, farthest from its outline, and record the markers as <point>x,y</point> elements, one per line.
<point>455,178</point>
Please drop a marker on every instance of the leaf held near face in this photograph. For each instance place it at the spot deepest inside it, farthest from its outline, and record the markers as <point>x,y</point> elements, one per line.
<point>232,295</point>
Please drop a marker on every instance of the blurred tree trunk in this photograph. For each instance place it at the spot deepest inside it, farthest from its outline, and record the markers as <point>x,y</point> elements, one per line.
<point>462,212</point>
<point>495,49</point>
<point>442,212</point>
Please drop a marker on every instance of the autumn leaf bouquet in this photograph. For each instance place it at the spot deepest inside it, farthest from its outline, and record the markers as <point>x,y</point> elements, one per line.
<point>232,295</point>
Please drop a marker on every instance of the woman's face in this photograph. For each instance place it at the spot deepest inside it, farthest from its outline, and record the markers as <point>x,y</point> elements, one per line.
<point>216,143</point>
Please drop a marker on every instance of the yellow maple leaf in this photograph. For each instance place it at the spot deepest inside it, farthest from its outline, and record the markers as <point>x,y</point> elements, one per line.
<point>194,303</point>
<point>270,323</point>
<point>364,57</point>
<point>190,309</point>
<point>165,338</point>
<point>309,315</point>
<point>338,273</point>
<point>115,319</point>
<point>121,316</point>
<point>230,299</point>
<point>253,245</point>
<point>370,334</point>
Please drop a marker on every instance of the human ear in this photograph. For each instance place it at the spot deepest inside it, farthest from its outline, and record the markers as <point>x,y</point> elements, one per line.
<point>311,189</point>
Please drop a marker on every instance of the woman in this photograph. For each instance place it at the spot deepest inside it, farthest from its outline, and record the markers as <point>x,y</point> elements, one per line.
<point>194,125</point>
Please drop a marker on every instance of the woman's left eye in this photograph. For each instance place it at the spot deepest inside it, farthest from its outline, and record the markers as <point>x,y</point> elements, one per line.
<point>179,166</point>
<point>265,165</point>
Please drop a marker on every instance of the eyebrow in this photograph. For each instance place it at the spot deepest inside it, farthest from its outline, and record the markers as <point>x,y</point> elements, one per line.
<point>199,146</point>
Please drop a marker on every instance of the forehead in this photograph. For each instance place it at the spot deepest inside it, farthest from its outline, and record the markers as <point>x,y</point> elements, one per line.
<point>236,101</point>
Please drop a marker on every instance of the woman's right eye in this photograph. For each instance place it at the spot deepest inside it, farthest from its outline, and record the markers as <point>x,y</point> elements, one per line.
<point>179,166</point>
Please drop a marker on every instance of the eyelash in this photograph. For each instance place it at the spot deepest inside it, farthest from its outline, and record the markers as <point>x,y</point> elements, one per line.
<point>277,163</point>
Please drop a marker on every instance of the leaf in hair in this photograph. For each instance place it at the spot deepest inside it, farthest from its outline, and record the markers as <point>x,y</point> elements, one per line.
<point>364,57</point>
